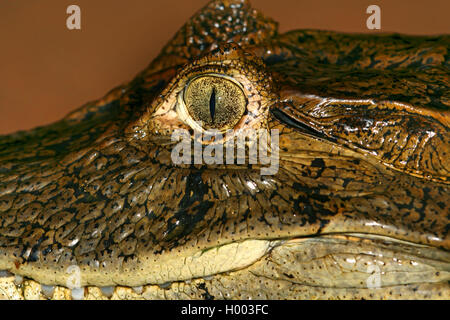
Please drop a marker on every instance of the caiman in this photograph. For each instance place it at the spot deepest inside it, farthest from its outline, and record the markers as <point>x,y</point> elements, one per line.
<point>94,207</point>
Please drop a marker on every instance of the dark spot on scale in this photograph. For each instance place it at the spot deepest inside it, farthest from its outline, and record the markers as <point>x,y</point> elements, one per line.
<point>274,58</point>
<point>47,250</point>
<point>387,155</point>
<point>304,38</point>
<point>346,182</point>
<point>206,295</point>
<point>192,209</point>
<point>318,163</point>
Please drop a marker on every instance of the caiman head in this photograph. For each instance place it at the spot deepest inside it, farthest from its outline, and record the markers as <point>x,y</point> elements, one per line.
<point>341,189</point>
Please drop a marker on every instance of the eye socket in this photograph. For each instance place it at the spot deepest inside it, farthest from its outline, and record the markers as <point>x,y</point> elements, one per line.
<point>217,102</point>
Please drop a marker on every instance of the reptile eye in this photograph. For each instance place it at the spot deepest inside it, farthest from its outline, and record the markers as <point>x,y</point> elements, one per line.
<point>227,90</point>
<point>217,102</point>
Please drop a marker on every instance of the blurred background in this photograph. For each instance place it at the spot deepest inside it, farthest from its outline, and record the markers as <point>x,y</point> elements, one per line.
<point>47,70</point>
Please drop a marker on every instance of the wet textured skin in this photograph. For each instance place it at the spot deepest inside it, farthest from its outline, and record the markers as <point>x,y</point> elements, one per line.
<point>362,188</point>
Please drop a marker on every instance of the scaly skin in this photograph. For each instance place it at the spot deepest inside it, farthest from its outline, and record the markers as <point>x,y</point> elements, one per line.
<point>358,208</point>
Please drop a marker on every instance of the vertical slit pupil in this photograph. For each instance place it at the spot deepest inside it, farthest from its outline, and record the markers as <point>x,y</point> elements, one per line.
<point>212,104</point>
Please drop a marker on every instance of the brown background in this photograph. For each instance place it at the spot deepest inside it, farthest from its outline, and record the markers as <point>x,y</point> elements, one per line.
<point>47,70</point>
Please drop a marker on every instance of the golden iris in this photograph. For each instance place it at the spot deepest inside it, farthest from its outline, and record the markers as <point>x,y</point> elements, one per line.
<point>217,102</point>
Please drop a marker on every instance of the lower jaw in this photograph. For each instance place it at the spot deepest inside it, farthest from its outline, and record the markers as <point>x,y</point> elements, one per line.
<point>234,285</point>
<point>326,267</point>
